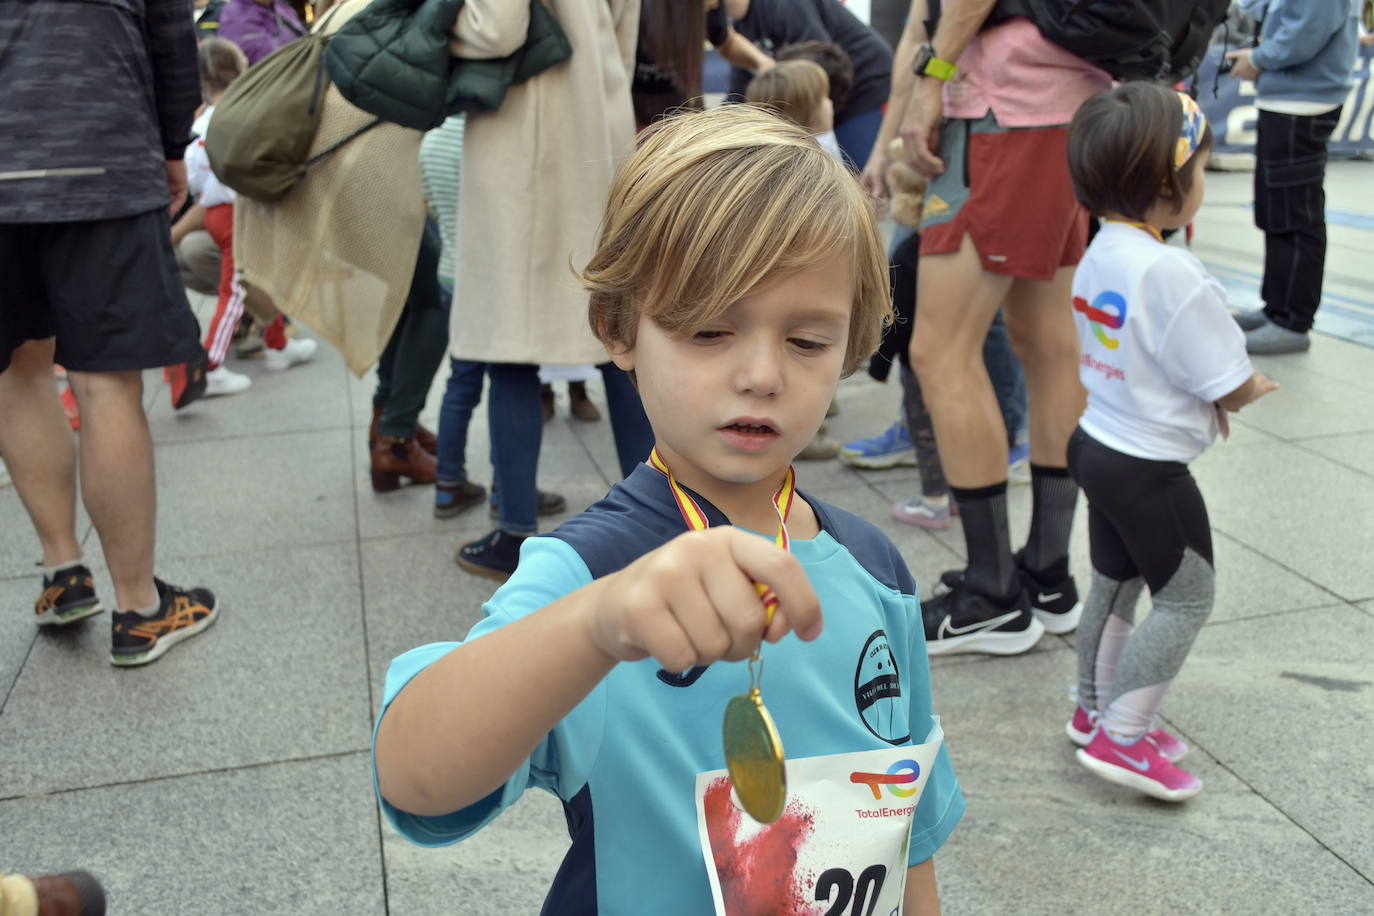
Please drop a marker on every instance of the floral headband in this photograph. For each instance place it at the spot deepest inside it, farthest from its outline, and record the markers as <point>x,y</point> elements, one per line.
<point>1194,125</point>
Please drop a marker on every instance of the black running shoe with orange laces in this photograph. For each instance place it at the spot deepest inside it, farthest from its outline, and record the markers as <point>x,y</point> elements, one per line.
<point>181,614</point>
<point>68,596</point>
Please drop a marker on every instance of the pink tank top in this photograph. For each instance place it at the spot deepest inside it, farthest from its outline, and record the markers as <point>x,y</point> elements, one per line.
<point>1027,80</point>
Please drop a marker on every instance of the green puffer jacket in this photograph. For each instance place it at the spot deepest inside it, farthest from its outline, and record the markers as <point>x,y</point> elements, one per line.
<point>393,60</point>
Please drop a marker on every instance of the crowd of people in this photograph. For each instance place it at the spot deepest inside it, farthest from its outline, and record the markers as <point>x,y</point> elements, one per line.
<point>720,270</point>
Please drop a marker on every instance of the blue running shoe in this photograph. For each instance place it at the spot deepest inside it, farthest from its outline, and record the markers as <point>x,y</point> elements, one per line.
<point>888,449</point>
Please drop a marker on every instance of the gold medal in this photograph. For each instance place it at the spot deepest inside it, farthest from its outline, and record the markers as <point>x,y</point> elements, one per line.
<point>753,749</point>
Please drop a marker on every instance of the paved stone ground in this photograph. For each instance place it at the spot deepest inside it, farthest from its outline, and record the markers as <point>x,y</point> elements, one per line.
<point>232,777</point>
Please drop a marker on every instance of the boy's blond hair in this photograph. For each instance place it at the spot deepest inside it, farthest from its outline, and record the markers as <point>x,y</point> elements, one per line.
<point>794,88</point>
<point>715,203</point>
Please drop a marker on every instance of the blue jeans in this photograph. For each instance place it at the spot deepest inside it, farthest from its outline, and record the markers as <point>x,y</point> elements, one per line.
<point>461,397</point>
<point>517,429</point>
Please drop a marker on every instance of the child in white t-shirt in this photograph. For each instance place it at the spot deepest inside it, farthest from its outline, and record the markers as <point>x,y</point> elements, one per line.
<point>1162,362</point>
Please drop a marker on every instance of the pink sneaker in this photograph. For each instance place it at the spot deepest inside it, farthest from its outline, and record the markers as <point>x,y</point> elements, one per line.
<point>923,512</point>
<point>1081,727</point>
<point>1139,765</point>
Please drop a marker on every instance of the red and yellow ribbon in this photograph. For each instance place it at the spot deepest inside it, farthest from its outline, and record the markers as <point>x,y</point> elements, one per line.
<point>696,519</point>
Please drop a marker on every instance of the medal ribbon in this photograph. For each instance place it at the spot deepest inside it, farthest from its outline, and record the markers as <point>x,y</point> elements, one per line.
<point>1143,227</point>
<point>696,519</point>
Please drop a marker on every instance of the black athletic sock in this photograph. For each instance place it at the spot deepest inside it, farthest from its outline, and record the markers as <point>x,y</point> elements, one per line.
<point>1054,494</point>
<point>991,568</point>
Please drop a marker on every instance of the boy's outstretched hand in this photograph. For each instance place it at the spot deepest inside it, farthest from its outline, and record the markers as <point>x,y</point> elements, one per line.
<point>693,602</point>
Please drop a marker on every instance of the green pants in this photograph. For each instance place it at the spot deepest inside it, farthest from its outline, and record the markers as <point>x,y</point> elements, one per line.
<point>417,346</point>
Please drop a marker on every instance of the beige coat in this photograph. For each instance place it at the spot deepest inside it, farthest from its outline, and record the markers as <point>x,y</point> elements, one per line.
<point>535,179</point>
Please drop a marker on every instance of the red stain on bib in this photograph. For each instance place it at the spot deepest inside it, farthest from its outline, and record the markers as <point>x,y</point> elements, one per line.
<point>757,874</point>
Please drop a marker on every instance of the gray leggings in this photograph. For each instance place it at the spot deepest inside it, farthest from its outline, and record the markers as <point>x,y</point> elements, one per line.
<point>1147,526</point>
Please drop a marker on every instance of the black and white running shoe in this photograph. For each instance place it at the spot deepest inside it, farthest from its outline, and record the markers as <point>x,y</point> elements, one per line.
<point>1054,604</point>
<point>960,620</point>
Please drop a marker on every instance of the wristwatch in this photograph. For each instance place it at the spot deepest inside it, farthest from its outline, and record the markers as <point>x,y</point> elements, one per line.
<point>927,64</point>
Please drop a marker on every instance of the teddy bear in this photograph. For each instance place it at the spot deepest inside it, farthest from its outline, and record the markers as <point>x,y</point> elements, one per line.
<point>906,188</point>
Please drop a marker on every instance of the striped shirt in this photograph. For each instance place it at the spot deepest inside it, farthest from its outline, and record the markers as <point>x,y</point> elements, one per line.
<point>441,165</point>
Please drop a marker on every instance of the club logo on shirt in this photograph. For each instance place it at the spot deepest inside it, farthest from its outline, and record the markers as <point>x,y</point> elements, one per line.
<point>897,779</point>
<point>1108,310</point>
<point>878,691</point>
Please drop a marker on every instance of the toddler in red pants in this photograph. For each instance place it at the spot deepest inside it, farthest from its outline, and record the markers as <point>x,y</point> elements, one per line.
<point>221,62</point>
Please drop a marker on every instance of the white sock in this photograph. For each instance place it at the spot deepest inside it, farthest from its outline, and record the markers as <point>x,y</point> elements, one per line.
<point>50,572</point>
<point>146,611</point>
<point>1130,715</point>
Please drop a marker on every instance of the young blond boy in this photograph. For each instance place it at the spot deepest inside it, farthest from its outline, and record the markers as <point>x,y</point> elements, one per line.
<point>601,670</point>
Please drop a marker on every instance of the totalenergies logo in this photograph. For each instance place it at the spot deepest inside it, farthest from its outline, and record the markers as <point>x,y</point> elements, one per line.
<point>1109,309</point>
<point>894,779</point>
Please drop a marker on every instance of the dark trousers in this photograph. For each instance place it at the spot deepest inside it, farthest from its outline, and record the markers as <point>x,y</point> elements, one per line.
<point>1290,204</point>
<point>416,348</point>
<point>517,428</point>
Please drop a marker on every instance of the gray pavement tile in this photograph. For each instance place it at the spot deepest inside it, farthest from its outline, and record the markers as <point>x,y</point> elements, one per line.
<point>414,594</point>
<point>253,493</point>
<point>1307,403</point>
<point>1297,507</point>
<point>297,838</point>
<point>1043,835</point>
<point>1251,585</point>
<point>409,510</point>
<point>1287,704</point>
<point>1243,433</point>
<point>304,397</point>
<point>505,868</point>
<point>1355,452</point>
<point>17,629</point>
<point>1336,359</point>
<point>280,675</point>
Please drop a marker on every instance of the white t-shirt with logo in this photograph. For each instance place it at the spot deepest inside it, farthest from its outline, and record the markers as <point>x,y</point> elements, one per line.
<point>1158,346</point>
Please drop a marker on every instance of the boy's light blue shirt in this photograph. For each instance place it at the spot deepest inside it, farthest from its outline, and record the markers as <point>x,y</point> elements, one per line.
<point>624,760</point>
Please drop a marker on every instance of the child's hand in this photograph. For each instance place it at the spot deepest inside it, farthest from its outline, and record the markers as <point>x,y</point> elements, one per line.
<point>1255,387</point>
<point>693,602</point>
<point>1263,385</point>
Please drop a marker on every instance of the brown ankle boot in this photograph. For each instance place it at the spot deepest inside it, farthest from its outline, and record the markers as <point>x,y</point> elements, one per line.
<point>425,437</point>
<point>394,458</point>
<point>581,406</point>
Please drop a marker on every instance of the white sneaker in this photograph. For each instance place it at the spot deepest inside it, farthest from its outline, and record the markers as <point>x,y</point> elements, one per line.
<point>297,350</point>
<point>223,381</point>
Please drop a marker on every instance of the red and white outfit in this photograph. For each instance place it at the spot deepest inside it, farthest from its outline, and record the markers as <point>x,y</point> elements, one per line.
<point>218,202</point>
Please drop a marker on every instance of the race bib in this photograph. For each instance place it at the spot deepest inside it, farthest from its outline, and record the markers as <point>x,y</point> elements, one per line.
<point>840,846</point>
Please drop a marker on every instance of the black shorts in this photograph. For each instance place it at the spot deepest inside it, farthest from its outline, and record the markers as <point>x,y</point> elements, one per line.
<point>109,291</point>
